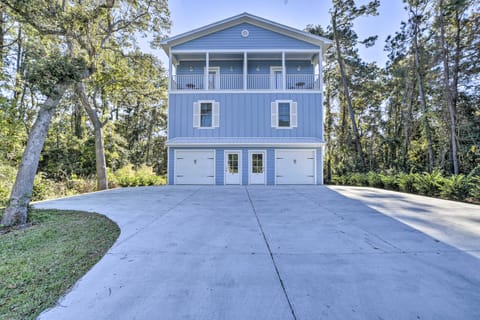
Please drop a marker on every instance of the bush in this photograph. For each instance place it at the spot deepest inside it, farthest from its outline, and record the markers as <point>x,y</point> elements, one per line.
<point>358,179</point>
<point>406,182</point>
<point>474,184</point>
<point>129,177</point>
<point>429,184</point>
<point>374,180</point>
<point>455,187</point>
<point>44,188</point>
<point>7,178</point>
<point>389,182</point>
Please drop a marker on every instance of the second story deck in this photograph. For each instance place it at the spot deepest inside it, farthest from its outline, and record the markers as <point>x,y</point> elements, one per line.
<point>247,71</point>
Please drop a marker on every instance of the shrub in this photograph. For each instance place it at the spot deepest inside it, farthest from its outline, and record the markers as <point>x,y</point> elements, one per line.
<point>406,182</point>
<point>129,177</point>
<point>389,182</point>
<point>474,184</point>
<point>44,188</point>
<point>374,180</point>
<point>429,183</point>
<point>455,187</point>
<point>358,179</point>
<point>7,178</point>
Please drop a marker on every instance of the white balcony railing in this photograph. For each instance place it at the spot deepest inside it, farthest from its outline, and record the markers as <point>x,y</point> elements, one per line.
<point>254,82</point>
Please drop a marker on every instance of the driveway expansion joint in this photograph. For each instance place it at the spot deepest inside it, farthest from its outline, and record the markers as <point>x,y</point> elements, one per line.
<point>290,305</point>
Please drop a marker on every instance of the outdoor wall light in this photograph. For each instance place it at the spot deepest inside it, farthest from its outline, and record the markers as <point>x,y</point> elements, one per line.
<point>257,68</point>
<point>231,68</point>
<point>299,67</point>
<point>190,69</point>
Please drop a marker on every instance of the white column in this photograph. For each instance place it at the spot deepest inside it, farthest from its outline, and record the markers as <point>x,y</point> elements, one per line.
<point>284,73</point>
<point>207,66</point>
<point>320,71</point>
<point>170,71</point>
<point>245,70</point>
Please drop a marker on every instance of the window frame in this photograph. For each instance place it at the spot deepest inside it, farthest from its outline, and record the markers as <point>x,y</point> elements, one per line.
<point>197,114</point>
<point>275,114</point>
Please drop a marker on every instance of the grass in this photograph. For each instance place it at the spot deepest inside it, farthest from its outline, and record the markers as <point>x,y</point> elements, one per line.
<point>40,262</point>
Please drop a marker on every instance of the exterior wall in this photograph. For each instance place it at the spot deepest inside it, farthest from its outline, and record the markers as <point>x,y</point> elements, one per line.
<point>230,38</point>
<point>220,164</point>
<point>245,115</point>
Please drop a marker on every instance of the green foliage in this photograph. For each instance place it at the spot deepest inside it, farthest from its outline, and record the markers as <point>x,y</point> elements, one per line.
<point>130,177</point>
<point>455,187</point>
<point>7,177</point>
<point>406,182</point>
<point>41,262</point>
<point>429,184</point>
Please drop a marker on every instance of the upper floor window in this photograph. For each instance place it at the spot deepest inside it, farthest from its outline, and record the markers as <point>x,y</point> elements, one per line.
<point>284,114</point>
<point>205,114</point>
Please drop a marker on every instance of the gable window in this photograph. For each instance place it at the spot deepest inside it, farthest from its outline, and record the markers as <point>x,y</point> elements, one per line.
<point>205,114</point>
<point>284,114</point>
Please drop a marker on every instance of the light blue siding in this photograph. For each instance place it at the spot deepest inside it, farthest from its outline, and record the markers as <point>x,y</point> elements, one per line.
<point>245,166</point>
<point>231,38</point>
<point>270,166</point>
<point>219,165</point>
<point>245,115</point>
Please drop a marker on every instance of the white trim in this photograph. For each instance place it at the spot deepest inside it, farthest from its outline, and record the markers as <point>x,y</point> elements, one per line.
<point>237,59</point>
<point>195,150</point>
<point>316,91</point>
<point>168,166</point>
<point>299,149</point>
<point>245,69</point>
<point>273,79</point>
<point>246,144</point>
<point>245,18</point>
<point>313,51</point>
<point>250,152</point>
<point>240,165</point>
<point>215,69</point>
<point>290,102</point>
<point>206,71</point>
<point>284,72</point>
<point>215,104</point>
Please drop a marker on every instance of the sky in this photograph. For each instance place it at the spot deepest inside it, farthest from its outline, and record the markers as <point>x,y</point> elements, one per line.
<point>187,15</point>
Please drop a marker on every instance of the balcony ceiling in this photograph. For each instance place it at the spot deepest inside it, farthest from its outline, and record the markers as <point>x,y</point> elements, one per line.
<point>239,56</point>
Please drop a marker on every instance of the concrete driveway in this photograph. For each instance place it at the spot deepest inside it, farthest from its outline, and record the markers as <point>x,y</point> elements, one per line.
<point>293,252</point>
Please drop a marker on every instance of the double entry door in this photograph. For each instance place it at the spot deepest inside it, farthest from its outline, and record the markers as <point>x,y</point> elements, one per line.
<point>256,167</point>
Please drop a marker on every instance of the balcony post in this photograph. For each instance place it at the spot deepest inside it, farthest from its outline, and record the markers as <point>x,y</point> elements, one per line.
<point>320,75</point>
<point>170,71</point>
<point>207,66</point>
<point>284,73</point>
<point>245,70</point>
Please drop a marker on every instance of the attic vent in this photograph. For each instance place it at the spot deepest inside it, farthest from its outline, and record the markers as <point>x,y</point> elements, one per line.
<point>245,33</point>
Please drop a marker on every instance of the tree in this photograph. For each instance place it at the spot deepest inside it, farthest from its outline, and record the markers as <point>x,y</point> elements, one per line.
<point>343,13</point>
<point>75,31</point>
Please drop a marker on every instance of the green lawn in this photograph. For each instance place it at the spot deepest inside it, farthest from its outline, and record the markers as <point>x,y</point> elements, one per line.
<point>39,263</point>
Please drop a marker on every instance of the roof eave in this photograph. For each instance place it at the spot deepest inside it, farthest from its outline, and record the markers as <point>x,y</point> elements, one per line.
<point>322,42</point>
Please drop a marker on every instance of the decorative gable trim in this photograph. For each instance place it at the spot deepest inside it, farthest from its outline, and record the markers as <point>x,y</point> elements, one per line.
<point>322,42</point>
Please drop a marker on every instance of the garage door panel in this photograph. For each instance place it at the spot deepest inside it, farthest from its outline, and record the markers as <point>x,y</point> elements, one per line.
<point>194,167</point>
<point>295,166</point>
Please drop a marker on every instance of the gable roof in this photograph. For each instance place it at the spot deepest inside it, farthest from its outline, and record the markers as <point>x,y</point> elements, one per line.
<point>245,17</point>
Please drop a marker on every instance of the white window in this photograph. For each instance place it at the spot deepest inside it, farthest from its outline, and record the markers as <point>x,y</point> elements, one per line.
<point>205,114</point>
<point>284,114</point>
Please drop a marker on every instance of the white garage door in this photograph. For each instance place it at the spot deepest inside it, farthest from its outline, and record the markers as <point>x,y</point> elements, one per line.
<point>295,166</point>
<point>194,167</point>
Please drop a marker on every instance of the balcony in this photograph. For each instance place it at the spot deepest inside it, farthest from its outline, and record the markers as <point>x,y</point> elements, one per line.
<point>253,82</point>
<point>245,71</point>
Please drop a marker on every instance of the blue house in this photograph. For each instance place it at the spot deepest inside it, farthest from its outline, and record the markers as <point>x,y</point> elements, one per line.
<point>245,104</point>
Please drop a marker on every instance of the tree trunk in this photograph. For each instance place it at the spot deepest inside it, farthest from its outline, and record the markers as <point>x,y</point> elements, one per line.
<point>407,120</point>
<point>16,212</point>
<point>423,102</point>
<point>328,130</point>
<point>448,90</point>
<point>347,94</point>
<point>101,164</point>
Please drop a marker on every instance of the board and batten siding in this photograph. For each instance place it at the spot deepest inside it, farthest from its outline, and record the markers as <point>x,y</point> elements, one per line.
<point>245,115</point>
<point>231,38</point>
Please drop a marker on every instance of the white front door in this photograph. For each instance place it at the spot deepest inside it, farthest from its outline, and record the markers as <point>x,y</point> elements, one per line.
<point>233,167</point>
<point>257,167</point>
